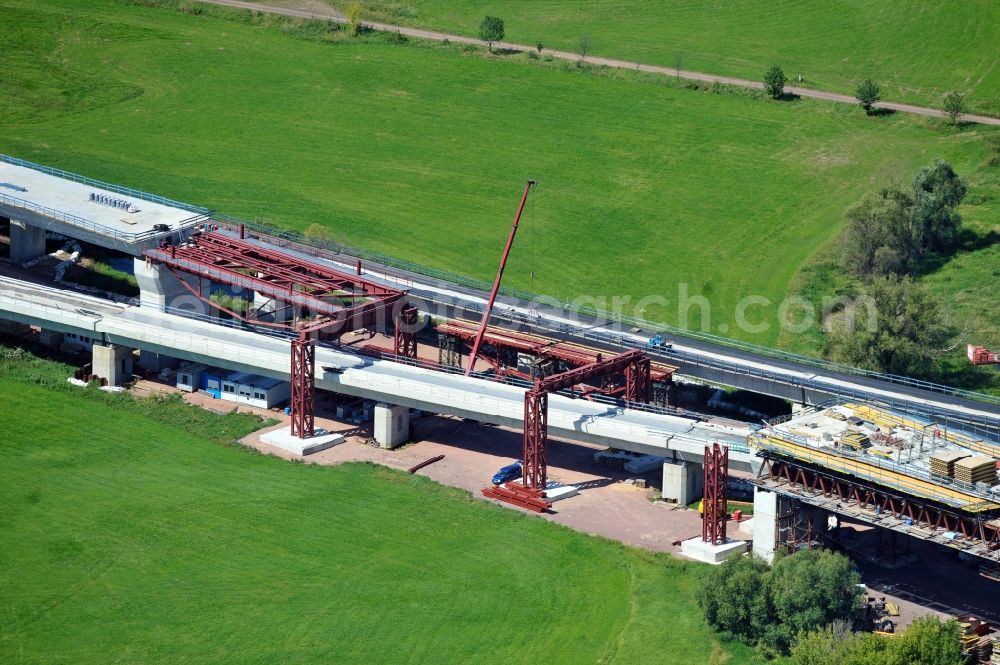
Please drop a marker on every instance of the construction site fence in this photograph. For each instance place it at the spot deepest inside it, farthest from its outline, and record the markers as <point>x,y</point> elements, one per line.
<point>648,327</point>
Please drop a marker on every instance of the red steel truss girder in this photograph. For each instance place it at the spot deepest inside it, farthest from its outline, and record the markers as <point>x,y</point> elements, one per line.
<point>405,334</point>
<point>851,490</point>
<point>540,346</point>
<point>214,258</point>
<point>569,378</point>
<point>303,372</point>
<point>284,268</point>
<point>714,506</point>
<point>536,416</point>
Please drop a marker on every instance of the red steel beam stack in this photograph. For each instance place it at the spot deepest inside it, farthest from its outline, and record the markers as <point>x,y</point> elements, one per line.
<point>517,494</point>
<point>715,509</point>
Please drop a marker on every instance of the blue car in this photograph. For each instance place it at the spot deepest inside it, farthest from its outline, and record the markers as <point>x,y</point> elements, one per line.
<point>507,474</point>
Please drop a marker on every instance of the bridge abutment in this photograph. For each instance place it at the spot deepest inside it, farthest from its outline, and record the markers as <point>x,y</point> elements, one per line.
<point>112,362</point>
<point>26,241</point>
<point>392,425</point>
<point>765,523</point>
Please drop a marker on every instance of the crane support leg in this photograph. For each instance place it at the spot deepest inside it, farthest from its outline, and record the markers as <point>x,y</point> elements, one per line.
<point>405,337</point>
<point>637,382</point>
<point>303,388</point>
<point>713,524</point>
<point>536,410</point>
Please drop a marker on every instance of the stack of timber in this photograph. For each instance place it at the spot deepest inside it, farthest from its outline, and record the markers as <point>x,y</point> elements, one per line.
<point>854,440</point>
<point>978,469</point>
<point>943,463</point>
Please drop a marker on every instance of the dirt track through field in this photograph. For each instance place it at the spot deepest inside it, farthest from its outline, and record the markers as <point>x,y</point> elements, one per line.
<point>321,12</point>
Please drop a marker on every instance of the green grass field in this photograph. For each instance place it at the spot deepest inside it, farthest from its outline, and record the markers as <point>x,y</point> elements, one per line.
<point>420,151</point>
<point>130,533</point>
<point>916,50</point>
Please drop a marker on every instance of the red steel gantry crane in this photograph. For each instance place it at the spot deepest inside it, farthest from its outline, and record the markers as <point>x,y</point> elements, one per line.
<point>530,492</point>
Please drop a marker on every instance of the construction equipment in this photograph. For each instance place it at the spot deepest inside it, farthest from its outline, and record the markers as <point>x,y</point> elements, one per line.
<point>978,355</point>
<point>496,282</point>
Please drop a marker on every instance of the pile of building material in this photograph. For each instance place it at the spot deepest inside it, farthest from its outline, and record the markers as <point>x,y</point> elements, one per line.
<point>517,494</point>
<point>995,653</point>
<point>978,469</point>
<point>976,644</point>
<point>854,440</point>
<point>943,463</point>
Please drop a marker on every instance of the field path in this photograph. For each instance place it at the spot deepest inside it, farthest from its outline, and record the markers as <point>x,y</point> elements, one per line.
<point>328,14</point>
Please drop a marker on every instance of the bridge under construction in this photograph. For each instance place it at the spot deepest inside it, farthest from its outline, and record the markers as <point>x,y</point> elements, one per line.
<point>918,471</point>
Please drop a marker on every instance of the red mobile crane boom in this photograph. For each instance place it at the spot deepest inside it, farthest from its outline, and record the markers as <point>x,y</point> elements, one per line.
<point>496,283</point>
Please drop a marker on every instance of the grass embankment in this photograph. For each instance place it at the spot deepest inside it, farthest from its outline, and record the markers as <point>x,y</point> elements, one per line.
<point>917,51</point>
<point>128,533</point>
<point>420,151</point>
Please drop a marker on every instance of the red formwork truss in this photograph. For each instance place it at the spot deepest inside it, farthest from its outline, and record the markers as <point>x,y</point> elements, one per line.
<point>327,302</point>
<point>714,506</point>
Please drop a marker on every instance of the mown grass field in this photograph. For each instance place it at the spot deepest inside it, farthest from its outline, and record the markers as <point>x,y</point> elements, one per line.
<point>131,533</point>
<point>420,151</point>
<point>917,50</point>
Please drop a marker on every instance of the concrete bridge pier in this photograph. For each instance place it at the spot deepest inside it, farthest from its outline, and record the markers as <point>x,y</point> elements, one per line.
<point>160,288</point>
<point>683,481</point>
<point>765,523</point>
<point>112,362</point>
<point>392,425</point>
<point>26,241</point>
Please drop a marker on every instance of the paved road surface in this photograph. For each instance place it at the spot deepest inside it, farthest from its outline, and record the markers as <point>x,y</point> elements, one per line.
<point>330,15</point>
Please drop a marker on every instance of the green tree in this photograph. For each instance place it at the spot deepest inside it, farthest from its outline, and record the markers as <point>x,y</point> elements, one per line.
<point>354,12</point>
<point>491,30</point>
<point>954,106</point>
<point>929,642</point>
<point>583,46</point>
<point>867,93</point>
<point>735,598</point>
<point>896,327</point>
<point>880,236</point>
<point>774,82</point>
<point>814,588</point>
<point>937,191</point>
